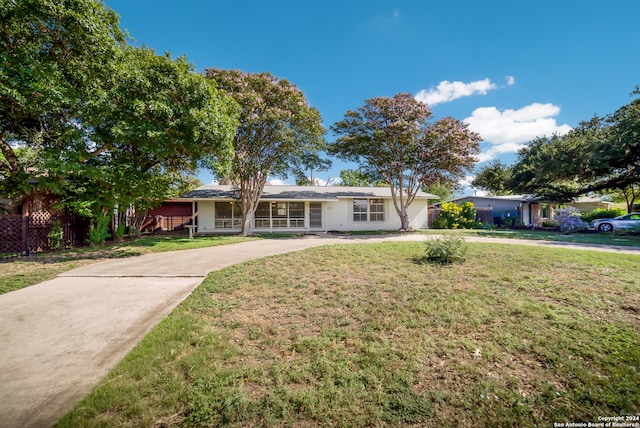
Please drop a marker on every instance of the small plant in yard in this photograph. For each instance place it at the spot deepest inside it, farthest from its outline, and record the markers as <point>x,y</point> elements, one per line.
<point>56,236</point>
<point>448,249</point>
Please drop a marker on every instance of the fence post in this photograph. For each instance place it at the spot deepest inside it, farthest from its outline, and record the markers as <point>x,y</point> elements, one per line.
<point>27,244</point>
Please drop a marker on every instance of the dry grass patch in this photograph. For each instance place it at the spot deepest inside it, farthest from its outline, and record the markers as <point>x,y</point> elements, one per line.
<point>368,335</point>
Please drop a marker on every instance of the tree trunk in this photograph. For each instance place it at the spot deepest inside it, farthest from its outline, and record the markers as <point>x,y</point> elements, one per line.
<point>247,222</point>
<point>404,219</point>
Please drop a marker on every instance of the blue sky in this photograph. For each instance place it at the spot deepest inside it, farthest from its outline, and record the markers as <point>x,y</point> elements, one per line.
<point>512,70</point>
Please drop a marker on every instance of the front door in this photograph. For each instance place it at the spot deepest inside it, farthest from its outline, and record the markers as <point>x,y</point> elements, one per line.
<point>315,215</point>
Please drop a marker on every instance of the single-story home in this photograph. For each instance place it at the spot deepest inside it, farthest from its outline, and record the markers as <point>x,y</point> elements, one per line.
<point>525,209</point>
<point>304,209</point>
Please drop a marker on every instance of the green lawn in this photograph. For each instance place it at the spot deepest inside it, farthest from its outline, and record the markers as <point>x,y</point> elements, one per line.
<point>22,272</point>
<point>621,239</point>
<point>371,335</point>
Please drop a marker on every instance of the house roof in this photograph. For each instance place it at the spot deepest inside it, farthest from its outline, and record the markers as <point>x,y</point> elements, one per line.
<point>301,193</point>
<point>516,198</point>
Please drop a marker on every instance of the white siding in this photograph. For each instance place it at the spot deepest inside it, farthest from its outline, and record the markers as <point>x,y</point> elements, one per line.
<point>337,215</point>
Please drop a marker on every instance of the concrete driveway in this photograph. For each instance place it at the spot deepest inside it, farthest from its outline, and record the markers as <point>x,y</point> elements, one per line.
<point>58,339</point>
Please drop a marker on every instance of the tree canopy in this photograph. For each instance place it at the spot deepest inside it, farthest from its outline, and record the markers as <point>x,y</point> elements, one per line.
<point>393,140</point>
<point>54,57</point>
<point>493,178</point>
<point>278,133</point>
<point>600,155</point>
<point>94,121</point>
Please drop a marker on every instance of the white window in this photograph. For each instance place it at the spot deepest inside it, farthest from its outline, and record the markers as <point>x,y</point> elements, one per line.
<point>228,215</point>
<point>368,210</point>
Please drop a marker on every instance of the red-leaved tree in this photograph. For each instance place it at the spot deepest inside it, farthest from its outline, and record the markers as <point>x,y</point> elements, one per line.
<point>393,140</point>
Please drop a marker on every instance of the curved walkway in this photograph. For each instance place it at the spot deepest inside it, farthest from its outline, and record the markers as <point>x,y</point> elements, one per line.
<point>61,337</point>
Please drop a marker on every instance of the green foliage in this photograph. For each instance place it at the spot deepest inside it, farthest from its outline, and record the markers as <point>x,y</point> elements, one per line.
<point>99,229</point>
<point>493,178</point>
<point>120,231</point>
<point>443,190</point>
<point>56,236</point>
<point>602,154</point>
<point>445,250</point>
<point>279,133</point>
<point>457,216</point>
<point>55,58</point>
<point>354,178</point>
<point>392,139</point>
<point>589,216</point>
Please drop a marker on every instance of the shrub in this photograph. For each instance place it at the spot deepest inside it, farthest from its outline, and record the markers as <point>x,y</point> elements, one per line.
<point>120,232</point>
<point>549,223</point>
<point>99,229</point>
<point>454,216</point>
<point>589,216</point>
<point>569,220</point>
<point>56,236</point>
<point>445,250</point>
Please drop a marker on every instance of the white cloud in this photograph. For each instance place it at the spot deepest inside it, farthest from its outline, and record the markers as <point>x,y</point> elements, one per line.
<point>509,130</point>
<point>510,80</point>
<point>276,182</point>
<point>448,91</point>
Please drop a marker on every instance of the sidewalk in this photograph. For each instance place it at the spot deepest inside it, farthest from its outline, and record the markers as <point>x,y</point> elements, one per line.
<point>61,337</point>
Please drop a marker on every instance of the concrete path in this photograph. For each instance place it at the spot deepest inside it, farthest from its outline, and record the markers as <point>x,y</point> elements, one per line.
<point>58,339</point>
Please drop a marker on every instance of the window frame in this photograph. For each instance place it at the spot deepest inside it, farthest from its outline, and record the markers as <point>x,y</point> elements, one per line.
<point>373,212</point>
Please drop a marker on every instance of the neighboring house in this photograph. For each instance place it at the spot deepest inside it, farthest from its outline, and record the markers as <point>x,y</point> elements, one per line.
<point>589,203</point>
<point>525,209</point>
<point>304,209</point>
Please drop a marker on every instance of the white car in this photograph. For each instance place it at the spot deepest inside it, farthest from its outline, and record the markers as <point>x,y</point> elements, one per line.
<point>623,222</point>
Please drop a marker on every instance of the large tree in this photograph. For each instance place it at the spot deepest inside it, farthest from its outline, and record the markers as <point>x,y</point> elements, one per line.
<point>53,55</point>
<point>493,178</point>
<point>600,155</point>
<point>279,133</point>
<point>157,119</point>
<point>392,139</point>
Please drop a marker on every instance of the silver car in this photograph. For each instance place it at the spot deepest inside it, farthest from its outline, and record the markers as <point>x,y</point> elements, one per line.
<point>623,222</point>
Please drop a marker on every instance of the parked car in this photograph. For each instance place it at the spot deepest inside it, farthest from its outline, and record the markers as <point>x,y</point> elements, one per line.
<point>623,222</point>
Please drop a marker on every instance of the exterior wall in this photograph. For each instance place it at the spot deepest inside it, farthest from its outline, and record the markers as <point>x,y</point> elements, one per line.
<point>336,215</point>
<point>172,209</point>
<point>340,216</point>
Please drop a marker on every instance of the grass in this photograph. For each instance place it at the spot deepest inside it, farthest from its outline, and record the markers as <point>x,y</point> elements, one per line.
<point>372,335</point>
<point>23,272</point>
<point>622,239</point>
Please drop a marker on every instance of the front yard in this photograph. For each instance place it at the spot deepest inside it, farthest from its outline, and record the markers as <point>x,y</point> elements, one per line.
<point>370,335</point>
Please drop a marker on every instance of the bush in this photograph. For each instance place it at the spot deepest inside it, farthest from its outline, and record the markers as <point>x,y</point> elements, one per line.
<point>454,216</point>
<point>549,223</point>
<point>589,216</point>
<point>569,220</point>
<point>99,229</point>
<point>445,250</point>
<point>56,236</point>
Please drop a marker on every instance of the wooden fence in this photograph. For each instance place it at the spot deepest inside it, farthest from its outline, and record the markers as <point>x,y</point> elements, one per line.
<point>21,236</point>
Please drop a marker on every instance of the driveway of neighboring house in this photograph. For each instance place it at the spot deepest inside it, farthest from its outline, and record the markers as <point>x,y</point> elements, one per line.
<point>61,337</point>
